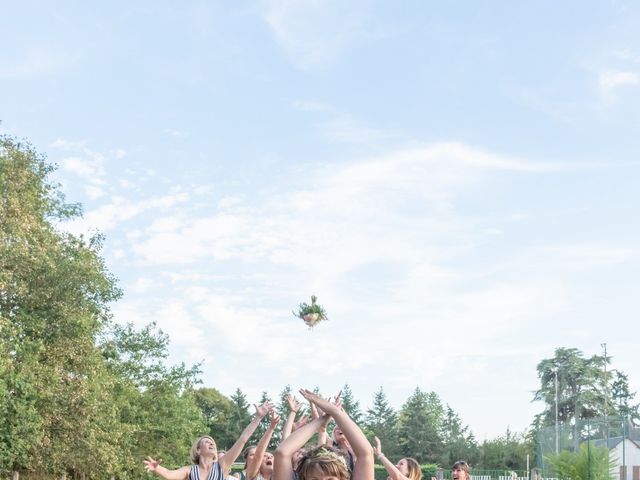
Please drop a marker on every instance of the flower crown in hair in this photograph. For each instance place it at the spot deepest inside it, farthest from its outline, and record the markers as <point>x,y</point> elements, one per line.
<point>331,454</point>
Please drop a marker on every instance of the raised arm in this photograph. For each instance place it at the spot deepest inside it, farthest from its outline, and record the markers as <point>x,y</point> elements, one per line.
<point>234,452</point>
<point>153,466</point>
<point>322,434</point>
<point>282,468</point>
<point>392,470</point>
<point>253,466</point>
<point>363,469</point>
<point>294,406</point>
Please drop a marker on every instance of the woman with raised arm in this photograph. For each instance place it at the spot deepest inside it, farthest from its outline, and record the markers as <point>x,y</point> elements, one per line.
<point>260,466</point>
<point>204,455</point>
<point>405,469</point>
<point>322,462</point>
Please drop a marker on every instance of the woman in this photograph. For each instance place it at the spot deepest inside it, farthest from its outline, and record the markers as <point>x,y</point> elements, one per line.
<point>260,464</point>
<point>204,455</point>
<point>461,471</point>
<point>405,469</point>
<point>323,462</point>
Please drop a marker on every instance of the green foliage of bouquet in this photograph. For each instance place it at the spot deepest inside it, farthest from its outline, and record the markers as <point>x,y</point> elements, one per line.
<point>312,313</point>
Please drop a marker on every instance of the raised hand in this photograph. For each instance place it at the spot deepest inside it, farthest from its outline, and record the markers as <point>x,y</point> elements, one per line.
<point>378,448</point>
<point>275,418</point>
<point>262,410</point>
<point>325,405</point>
<point>314,412</point>
<point>294,406</point>
<point>303,421</point>
<point>151,465</point>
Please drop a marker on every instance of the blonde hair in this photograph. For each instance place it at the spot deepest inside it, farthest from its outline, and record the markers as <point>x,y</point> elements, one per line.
<point>415,472</point>
<point>195,455</point>
<point>330,461</point>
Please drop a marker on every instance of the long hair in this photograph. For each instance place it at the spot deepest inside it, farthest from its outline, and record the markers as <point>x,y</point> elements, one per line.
<point>330,461</point>
<point>245,454</point>
<point>415,472</point>
<point>195,455</point>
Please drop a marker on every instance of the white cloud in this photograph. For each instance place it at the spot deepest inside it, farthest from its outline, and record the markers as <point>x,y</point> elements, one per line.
<point>315,34</point>
<point>611,79</point>
<point>108,216</point>
<point>89,169</point>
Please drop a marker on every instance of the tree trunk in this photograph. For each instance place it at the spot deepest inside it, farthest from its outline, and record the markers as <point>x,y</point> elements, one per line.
<point>15,475</point>
<point>576,431</point>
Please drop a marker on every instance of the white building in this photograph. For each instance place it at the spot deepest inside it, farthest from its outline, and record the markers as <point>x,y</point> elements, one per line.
<point>626,457</point>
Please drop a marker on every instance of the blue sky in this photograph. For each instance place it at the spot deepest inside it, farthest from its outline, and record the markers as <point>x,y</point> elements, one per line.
<point>456,181</point>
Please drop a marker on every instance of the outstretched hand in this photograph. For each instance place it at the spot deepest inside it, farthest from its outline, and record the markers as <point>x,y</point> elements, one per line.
<point>325,405</point>
<point>294,406</point>
<point>262,410</point>
<point>303,421</point>
<point>275,418</point>
<point>151,465</point>
<point>378,448</point>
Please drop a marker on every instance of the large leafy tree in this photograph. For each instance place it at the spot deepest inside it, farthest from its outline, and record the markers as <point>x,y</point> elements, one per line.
<point>580,395</point>
<point>506,451</point>
<point>216,409</point>
<point>54,296</point>
<point>586,389</point>
<point>78,395</point>
<point>157,408</point>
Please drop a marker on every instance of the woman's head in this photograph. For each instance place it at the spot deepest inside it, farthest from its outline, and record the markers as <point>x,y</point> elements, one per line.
<point>266,467</point>
<point>321,462</point>
<point>248,454</point>
<point>205,446</point>
<point>410,468</point>
<point>460,471</point>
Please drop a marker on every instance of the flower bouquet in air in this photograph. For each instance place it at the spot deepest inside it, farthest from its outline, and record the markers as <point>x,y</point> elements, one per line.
<point>312,313</point>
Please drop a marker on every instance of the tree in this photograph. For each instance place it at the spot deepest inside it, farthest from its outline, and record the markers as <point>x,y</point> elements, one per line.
<point>78,395</point>
<point>240,416</point>
<point>350,405</point>
<point>507,451</point>
<point>420,427</point>
<point>380,420</point>
<point>156,405</point>
<point>458,440</point>
<point>217,410</point>
<point>622,397</point>
<point>54,297</point>
<point>580,392</point>
<point>589,462</point>
<point>264,425</point>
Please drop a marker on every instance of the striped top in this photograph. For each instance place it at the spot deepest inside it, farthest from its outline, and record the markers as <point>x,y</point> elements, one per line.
<point>214,474</point>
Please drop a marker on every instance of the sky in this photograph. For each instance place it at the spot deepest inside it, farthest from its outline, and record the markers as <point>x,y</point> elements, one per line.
<point>453,180</point>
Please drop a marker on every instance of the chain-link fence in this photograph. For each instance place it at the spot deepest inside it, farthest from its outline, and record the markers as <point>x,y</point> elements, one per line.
<point>604,444</point>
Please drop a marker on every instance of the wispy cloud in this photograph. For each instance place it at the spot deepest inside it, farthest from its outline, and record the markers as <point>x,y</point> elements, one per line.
<point>316,34</point>
<point>612,79</point>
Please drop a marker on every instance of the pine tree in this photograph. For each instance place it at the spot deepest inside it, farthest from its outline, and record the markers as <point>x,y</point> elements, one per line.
<point>350,405</point>
<point>380,421</point>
